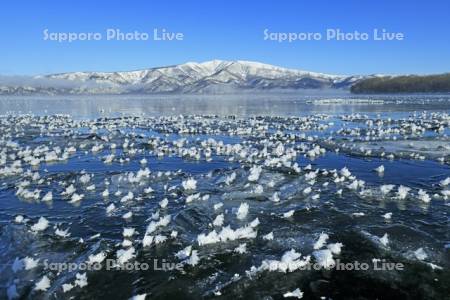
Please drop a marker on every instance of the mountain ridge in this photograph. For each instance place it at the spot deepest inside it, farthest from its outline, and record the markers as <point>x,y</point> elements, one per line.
<point>215,76</point>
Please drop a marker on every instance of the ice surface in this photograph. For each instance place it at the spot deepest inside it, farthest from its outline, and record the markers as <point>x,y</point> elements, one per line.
<point>240,203</point>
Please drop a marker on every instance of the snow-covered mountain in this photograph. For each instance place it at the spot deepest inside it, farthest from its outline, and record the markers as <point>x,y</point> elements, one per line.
<point>215,76</point>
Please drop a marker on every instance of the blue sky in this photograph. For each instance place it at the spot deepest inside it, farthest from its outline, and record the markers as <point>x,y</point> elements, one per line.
<point>228,30</point>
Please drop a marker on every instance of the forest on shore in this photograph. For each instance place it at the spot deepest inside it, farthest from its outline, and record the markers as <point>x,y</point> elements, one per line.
<point>403,84</point>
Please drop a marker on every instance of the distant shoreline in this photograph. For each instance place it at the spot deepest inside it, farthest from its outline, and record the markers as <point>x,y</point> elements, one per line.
<point>403,84</point>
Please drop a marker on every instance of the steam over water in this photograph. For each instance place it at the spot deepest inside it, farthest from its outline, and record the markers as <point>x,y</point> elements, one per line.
<point>259,197</point>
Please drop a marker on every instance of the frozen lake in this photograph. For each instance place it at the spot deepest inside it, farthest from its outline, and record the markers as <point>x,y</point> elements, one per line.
<point>240,105</point>
<point>240,192</point>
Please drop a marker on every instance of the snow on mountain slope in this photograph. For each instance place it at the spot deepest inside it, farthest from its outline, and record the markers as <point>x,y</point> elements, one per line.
<point>207,77</point>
